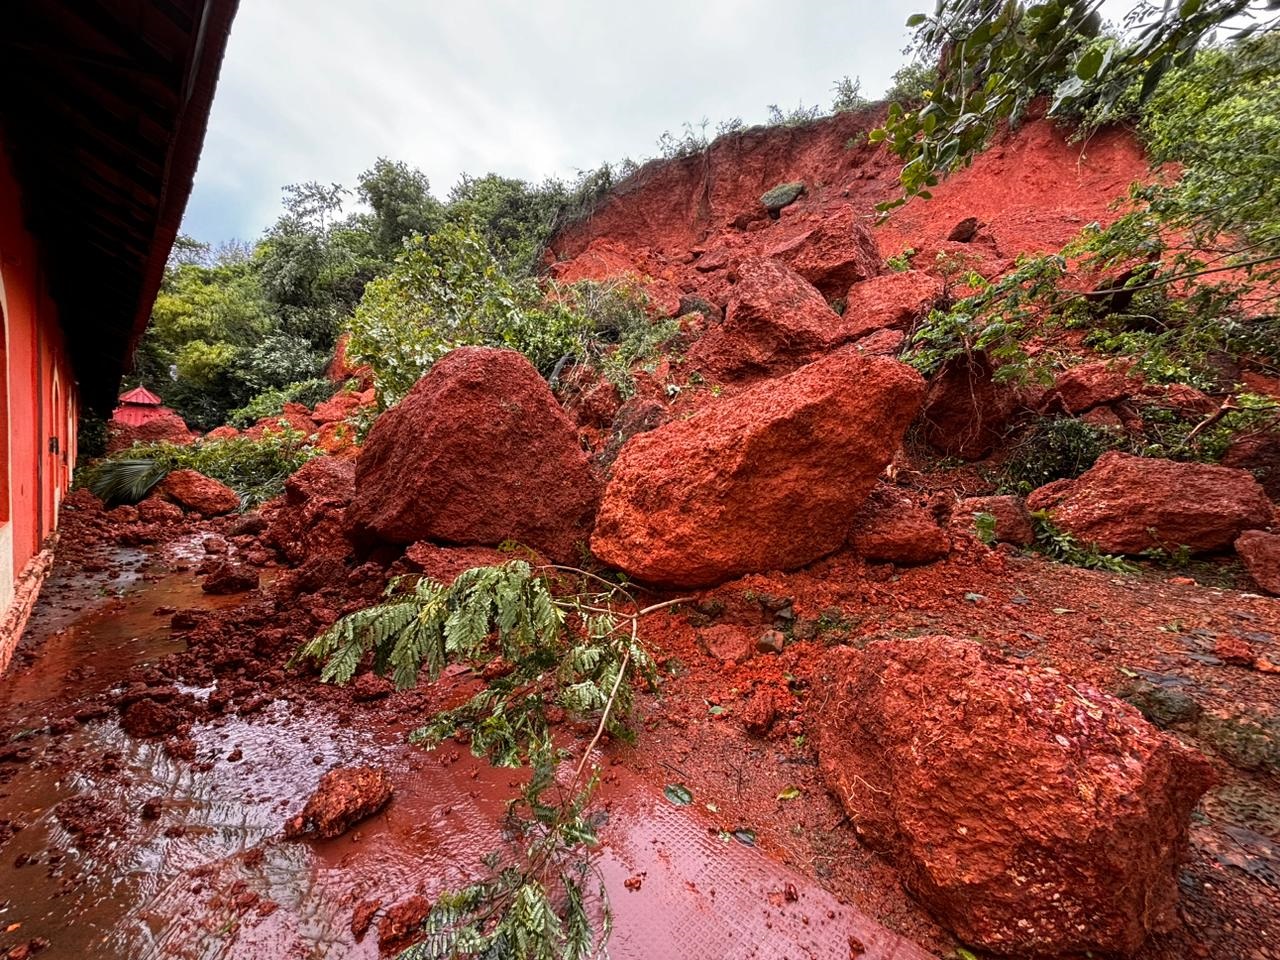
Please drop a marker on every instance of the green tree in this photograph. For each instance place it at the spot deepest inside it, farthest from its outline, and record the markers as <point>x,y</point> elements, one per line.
<point>402,205</point>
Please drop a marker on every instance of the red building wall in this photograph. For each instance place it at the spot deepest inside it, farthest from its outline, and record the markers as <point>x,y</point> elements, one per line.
<point>37,415</point>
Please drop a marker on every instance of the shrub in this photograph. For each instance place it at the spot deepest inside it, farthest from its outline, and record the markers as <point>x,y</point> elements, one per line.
<point>271,402</point>
<point>255,469</point>
<point>1054,449</point>
<point>450,290</point>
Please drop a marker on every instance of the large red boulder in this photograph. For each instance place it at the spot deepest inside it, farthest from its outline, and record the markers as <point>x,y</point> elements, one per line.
<point>478,453</point>
<point>1259,453</point>
<point>775,321</point>
<point>1128,504</point>
<point>310,520</point>
<point>835,253</point>
<point>966,412</point>
<point>194,491</point>
<point>768,480</point>
<point>1035,816</point>
<point>892,301</point>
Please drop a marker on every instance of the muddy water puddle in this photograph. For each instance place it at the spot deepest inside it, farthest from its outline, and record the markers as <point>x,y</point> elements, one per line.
<point>126,852</point>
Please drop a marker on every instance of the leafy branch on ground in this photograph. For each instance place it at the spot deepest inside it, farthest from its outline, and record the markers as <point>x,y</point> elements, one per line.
<point>1057,544</point>
<point>545,653</point>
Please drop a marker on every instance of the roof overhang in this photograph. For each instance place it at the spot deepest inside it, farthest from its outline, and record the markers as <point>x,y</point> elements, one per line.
<point>103,110</point>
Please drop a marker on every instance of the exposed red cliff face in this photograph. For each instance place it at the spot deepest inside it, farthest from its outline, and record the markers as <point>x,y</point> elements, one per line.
<point>685,222</point>
<point>672,206</point>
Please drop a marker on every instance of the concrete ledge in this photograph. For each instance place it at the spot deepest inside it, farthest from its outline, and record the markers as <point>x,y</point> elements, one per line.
<point>25,593</point>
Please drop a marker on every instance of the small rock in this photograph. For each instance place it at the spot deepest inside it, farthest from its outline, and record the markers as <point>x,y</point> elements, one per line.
<point>771,641</point>
<point>401,921</point>
<point>965,230</point>
<point>345,796</point>
<point>781,196</point>
<point>1012,520</point>
<point>726,642</point>
<point>759,712</point>
<point>228,577</point>
<point>369,687</point>
<point>362,918</point>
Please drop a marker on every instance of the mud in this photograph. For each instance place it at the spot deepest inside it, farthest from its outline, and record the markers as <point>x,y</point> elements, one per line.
<point>127,847</point>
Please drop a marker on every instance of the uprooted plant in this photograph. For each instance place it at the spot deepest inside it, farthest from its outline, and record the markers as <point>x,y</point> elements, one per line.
<point>576,652</point>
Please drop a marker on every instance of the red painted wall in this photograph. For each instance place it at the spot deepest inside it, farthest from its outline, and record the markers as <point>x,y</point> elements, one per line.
<point>40,386</point>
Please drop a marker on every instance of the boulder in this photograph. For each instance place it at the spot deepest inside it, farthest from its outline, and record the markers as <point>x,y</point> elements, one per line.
<point>1259,453</point>
<point>1012,519</point>
<point>311,519</point>
<point>194,491</point>
<point>775,321</point>
<point>966,412</point>
<point>478,453</point>
<point>891,529</point>
<point>345,796</point>
<point>891,301</point>
<point>338,407</point>
<point>883,343</point>
<point>1033,815</point>
<point>834,254</point>
<point>155,510</point>
<point>227,577</point>
<point>769,479</point>
<point>1128,504</point>
<point>224,432</point>
<point>1090,385</point>
<point>1260,553</point>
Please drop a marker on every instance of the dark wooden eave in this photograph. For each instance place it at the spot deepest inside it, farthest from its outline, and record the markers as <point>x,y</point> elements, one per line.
<point>103,110</point>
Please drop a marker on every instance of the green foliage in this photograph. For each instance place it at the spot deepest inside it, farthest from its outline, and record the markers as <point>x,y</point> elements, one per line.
<point>900,262</point>
<point>91,436</point>
<point>574,654</point>
<point>1054,448</point>
<point>124,479</point>
<point>450,290</point>
<point>797,116</point>
<point>271,401</point>
<point>616,330</point>
<point>1060,546</point>
<point>848,95</point>
<point>254,469</point>
<point>910,81</point>
<point>994,319</point>
<point>445,291</point>
<point>782,195</point>
<point>402,205</point>
<point>984,525</point>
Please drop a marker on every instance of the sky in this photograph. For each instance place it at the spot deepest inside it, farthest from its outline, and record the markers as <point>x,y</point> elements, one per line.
<point>319,89</point>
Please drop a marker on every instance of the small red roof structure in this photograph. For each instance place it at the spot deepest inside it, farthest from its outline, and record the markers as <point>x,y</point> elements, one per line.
<point>141,395</point>
<point>140,406</point>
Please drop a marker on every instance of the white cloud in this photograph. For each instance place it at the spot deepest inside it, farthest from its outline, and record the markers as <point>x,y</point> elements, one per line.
<point>318,89</point>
